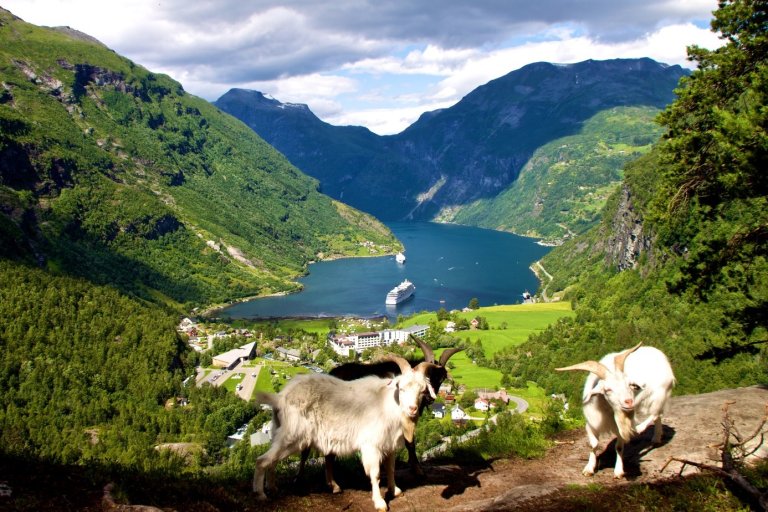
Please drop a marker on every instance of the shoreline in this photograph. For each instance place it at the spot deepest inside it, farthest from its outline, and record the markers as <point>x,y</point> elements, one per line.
<point>212,309</point>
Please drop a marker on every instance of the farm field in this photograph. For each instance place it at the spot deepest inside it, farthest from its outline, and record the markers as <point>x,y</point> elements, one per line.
<point>509,325</point>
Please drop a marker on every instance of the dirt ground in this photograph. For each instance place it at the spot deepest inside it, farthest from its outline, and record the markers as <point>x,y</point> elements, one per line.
<point>691,427</point>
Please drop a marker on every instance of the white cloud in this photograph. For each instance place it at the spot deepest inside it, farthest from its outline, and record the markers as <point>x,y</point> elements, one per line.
<point>378,64</point>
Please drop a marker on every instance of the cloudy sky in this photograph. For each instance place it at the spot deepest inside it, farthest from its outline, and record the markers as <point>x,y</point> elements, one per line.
<point>375,63</point>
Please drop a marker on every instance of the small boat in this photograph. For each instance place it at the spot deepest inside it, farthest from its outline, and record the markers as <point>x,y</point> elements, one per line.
<point>400,257</point>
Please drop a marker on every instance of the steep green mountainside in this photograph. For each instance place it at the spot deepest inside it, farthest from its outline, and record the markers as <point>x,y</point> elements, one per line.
<point>114,173</point>
<point>124,201</point>
<point>564,186</point>
<point>316,147</point>
<point>680,258</point>
<point>462,155</point>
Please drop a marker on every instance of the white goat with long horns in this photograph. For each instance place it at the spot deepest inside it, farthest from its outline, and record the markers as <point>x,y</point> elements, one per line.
<point>343,417</point>
<point>622,389</point>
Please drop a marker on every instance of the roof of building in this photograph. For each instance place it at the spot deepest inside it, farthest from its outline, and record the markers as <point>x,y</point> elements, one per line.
<point>289,351</point>
<point>259,438</point>
<point>233,355</point>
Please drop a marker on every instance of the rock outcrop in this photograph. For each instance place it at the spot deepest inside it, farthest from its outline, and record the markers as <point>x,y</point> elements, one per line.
<point>628,239</point>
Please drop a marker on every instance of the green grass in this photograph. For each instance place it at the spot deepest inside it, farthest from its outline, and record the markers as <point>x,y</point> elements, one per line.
<point>521,321</point>
<point>264,381</point>
<point>310,325</point>
<point>471,375</point>
<point>232,381</point>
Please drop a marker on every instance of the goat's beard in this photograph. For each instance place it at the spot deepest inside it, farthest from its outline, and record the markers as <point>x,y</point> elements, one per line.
<point>409,428</point>
<point>624,424</point>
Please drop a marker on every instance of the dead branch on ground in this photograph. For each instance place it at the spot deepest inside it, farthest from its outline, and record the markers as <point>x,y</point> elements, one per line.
<point>733,454</point>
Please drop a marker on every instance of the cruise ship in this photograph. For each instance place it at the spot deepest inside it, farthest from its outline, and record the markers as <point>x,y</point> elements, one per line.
<point>400,292</point>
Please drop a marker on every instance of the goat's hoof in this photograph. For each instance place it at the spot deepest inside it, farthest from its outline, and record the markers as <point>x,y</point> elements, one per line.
<point>380,506</point>
<point>588,472</point>
<point>335,489</point>
<point>394,493</point>
<point>261,497</point>
<point>618,476</point>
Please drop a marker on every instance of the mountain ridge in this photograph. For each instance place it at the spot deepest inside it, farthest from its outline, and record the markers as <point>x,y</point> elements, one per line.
<point>473,150</point>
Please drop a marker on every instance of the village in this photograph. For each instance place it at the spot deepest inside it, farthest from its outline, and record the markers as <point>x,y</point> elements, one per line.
<point>256,363</point>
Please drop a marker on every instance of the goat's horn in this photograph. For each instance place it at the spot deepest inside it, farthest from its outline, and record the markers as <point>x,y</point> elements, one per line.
<point>619,360</point>
<point>425,367</point>
<point>447,353</point>
<point>429,356</point>
<point>401,362</point>
<point>591,366</point>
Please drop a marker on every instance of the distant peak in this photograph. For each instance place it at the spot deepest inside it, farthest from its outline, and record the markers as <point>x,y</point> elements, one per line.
<point>260,98</point>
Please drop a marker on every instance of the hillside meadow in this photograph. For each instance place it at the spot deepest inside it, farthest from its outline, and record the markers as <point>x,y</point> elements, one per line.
<point>509,325</point>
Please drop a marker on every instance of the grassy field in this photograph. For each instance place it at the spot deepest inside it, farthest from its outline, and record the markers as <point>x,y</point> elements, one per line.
<point>282,369</point>
<point>232,381</point>
<point>509,325</point>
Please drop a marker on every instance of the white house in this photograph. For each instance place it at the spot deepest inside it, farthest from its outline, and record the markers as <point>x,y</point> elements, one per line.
<point>482,404</point>
<point>494,395</point>
<point>458,414</point>
<point>342,344</point>
<point>186,324</point>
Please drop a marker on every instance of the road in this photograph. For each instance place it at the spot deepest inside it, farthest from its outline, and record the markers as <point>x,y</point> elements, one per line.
<point>250,375</point>
<point>536,268</point>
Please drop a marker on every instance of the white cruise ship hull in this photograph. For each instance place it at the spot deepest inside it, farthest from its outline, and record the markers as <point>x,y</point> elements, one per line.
<point>399,293</point>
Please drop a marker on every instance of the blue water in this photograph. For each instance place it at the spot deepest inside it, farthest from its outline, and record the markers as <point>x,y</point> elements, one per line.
<point>448,264</point>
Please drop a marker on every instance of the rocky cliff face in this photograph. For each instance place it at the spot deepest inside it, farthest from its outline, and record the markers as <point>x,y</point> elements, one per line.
<point>628,240</point>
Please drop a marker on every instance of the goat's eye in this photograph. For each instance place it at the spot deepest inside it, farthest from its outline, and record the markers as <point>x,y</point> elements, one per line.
<point>635,387</point>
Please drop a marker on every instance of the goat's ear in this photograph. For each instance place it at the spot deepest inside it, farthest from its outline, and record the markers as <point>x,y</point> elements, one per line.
<point>431,390</point>
<point>599,389</point>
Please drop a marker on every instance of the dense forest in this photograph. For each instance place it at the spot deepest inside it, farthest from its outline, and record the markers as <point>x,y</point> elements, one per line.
<point>679,259</point>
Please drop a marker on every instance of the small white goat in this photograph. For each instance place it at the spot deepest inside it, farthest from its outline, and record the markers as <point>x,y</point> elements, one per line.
<point>621,389</point>
<point>342,417</point>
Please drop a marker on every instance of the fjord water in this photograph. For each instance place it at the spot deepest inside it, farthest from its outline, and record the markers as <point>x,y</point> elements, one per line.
<point>448,264</point>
